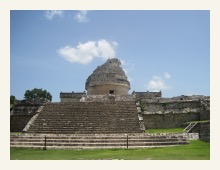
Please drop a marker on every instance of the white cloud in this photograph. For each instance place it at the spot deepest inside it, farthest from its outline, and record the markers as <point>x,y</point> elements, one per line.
<point>158,83</point>
<point>81,16</point>
<point>167,75</point>
<point>52,13</point>
<point>85,53</point>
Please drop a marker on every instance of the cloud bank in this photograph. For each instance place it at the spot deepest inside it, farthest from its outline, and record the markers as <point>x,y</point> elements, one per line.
<point>159,83</point>
<point>81,16</point>
<point>52,13</point>
<point>85,53</point>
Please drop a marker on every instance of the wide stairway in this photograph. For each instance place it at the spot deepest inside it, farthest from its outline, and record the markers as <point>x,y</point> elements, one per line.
<point>87,118</point>
<point>95,141</point>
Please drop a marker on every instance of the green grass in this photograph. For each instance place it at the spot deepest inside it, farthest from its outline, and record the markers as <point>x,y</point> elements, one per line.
<point>16,133</point>
<point>173,130</point>
<point>201,121</point>
<point>196,150</point>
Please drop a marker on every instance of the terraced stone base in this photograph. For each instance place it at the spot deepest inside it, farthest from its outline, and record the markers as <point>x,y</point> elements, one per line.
<point>86,118</point>
<point>95,141</point>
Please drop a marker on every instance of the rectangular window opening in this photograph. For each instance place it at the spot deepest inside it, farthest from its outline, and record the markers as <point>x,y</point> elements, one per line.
<point>111,92</point>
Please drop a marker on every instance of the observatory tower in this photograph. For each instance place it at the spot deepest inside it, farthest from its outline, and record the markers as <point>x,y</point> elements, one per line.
<point>108,78</point>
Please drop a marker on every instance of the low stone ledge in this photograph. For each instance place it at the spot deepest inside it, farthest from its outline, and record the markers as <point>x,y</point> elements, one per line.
<point>193,136</point>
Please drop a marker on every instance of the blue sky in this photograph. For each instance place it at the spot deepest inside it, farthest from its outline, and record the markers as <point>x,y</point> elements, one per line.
<point>159,50</point>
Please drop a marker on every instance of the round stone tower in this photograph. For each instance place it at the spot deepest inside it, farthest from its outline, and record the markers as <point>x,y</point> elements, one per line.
<point>108,78</point>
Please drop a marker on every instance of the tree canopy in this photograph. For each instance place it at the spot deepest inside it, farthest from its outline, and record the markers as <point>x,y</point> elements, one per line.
<point>37,94</point>
<point>12,99</point>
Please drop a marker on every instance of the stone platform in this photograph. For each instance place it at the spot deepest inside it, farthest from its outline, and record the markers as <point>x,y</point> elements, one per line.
<point>87,118</point>
<point>97,141</point>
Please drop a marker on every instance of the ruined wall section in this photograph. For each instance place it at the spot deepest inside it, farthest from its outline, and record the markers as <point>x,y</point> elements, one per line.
<point>27,107</point>
<point>160,121</point>
<point>18,122</point>
<point>205,113</point>
<point>106,98</point>
<point>23,111</point>
<point>203,128</point>
<point>172,113</point>
<point>171,107</point>
<point>71,97</point>
<point>147,95</point>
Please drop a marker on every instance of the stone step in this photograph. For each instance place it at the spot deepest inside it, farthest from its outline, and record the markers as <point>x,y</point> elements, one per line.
<point>130,121</point>
<point>99,143</point>
<point>78,132</point>
<point>71,147</point>
<point>90,147</point>
<point>101,140</point>
<point>84,112</point>
<point>97,140</point>
<point>99,136</point>
<point>84,130</point>
<point>87,117</point>
<point>92,120</point>
<point>95,126</point>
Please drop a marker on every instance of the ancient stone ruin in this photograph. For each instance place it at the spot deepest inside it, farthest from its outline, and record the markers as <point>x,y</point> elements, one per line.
<point>107,112</point>
<point>108,78</point>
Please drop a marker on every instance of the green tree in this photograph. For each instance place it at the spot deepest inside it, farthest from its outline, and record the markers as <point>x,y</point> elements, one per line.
<point>12,99</point>
<point>37,94</point>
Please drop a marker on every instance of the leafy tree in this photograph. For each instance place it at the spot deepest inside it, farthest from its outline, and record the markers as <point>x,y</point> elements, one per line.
<point>37,94</point>
<point>12,99</point>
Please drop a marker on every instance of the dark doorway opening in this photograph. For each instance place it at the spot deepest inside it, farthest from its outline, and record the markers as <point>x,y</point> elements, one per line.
<point>111,92</point>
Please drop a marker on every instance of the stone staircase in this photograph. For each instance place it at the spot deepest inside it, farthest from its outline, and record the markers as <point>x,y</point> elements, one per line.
<point>87,118</point>
<point>96,141</point>
<point>190,127</point>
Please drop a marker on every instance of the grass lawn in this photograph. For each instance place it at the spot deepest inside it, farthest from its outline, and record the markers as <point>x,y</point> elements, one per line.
<point>196,150</point>
<point>201,121</point>
<point>172,130</point>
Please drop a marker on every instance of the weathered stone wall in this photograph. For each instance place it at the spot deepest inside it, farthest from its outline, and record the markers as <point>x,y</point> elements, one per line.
<point>18,122</point>
<point>160,112</point>
<point>22,112</point>
<point>106,98</point>
<point>171,107</point>
<point>172,114</point>
<point>109,76</point>
<point>104,89</point>
<point>71,97</point>
<point>27,107</point>
<point>205,112</point>
<point>205,131</point>
<point>203,128</point>
<point>171,120</point>
<point>146,95</point>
